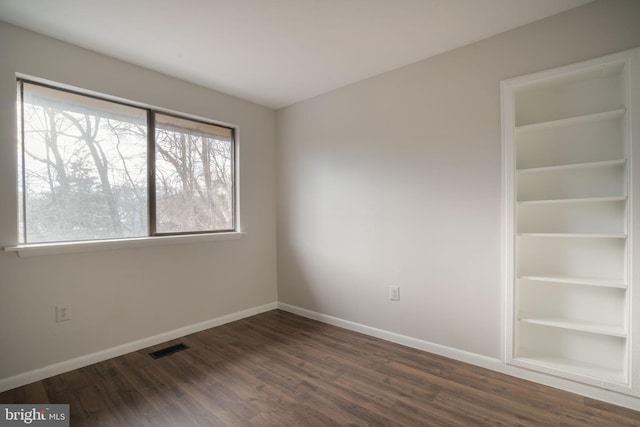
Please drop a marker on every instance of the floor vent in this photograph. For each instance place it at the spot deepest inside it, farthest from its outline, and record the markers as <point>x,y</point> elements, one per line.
<point>167,351</point>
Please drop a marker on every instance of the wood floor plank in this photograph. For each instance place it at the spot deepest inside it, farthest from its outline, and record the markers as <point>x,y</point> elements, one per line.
<point>279,369</point>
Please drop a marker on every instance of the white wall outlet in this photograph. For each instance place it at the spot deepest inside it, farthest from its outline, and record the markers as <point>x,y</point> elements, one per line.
<point>394,293</point>
<point>63,312</point>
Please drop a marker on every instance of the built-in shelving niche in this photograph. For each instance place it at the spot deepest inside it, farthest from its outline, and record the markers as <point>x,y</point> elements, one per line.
<point>568,203</point>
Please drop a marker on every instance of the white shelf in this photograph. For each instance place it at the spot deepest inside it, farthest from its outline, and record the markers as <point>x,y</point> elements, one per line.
<point>573,182</point>
<point>587,118</point>
<point>577,235</point>
<point>578,200</point>
<point>603,217</point>
<point>599,373</point>
<point>586,165</point>
<point>577,325</point>
<point>583,281</point>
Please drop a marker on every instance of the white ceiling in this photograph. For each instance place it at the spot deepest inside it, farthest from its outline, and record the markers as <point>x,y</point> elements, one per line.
<point>274,52</point>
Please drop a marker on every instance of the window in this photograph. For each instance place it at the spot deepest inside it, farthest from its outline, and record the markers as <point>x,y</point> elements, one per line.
<point>94,169</point>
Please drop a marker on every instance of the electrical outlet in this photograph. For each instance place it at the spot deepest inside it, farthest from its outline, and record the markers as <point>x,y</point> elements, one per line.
<point>63,312</point>
<point>394,293</point>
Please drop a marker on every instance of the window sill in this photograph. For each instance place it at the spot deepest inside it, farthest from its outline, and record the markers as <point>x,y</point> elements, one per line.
<point>107,245</point>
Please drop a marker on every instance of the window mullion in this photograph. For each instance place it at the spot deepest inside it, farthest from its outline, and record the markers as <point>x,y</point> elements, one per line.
<point>151,171</point>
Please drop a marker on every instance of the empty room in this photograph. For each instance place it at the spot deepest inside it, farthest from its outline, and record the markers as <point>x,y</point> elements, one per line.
<point>310,213</point>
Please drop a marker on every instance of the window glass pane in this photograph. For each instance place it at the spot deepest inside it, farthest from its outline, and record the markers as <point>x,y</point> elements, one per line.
<point>84,167</point>
<point>193,176</point>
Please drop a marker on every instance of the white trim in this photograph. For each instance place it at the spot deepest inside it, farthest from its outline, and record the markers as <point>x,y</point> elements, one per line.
<point>405,340</point>
<point>475,359</point>
<point>632,129</point>
<point>507,119</point>
<point>99,356</point>
<point>107,245</point>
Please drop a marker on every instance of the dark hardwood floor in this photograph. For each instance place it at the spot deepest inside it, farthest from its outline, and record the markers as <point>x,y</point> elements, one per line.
<point>278,369</point>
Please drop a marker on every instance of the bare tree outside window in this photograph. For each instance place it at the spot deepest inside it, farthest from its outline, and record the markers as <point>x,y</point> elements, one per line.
<point>84,167</point>
<point>84,170</point>
<point>194,176</point>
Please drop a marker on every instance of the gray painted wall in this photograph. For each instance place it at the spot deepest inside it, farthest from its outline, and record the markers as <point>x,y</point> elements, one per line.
<point>125,295</point>
<point>396,180</point>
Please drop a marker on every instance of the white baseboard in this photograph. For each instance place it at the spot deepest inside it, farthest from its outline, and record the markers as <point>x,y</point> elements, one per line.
<point>461,355</point>
<point>99,356</point>
<point>453,353</point>
<point>472,358</point>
